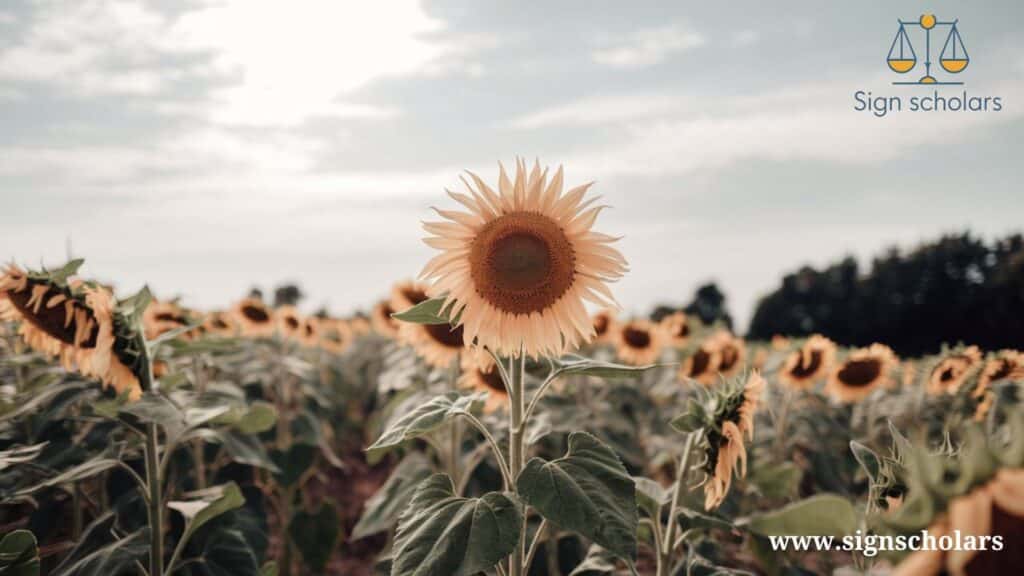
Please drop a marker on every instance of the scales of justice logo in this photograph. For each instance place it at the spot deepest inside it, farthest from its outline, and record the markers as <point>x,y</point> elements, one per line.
<point>903,58</point>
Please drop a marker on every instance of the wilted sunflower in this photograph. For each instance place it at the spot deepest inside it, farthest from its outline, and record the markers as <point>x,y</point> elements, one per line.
<point>382,321</point>
<point>73,324</point>
<point>805,366</point>
<point>993,509</point>
<point>289,322</point>
<point>219,324</point>
<point>604,325</point>
<point>480,373</point>
<point>725,441</point>
<point>639,342</point>
<point>677,328</point>
<point>162,317</point>
<point>254,317</point>
<point>951,371</point>
<point>863,370</point>
<point>517,267</point>
<point>335,335</point>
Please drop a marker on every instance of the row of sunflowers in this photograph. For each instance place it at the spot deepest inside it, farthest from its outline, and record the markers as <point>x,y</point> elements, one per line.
<point>483,421</point>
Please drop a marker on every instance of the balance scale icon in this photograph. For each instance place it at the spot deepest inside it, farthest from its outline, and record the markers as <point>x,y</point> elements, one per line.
<point>953,58</point>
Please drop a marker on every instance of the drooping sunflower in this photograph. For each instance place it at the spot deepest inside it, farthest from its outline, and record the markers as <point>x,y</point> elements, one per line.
<point>677,328</point>
<point>993,509</point>
<point>73,324</point>
<point>255,318</point>
<point>289,322</point>
<point>335,335</point>
<point>639,342</point>
<point>725,444</point>
<point>382,321</point>
<point>518,266</point>
<point>864,370</point>
<point>951,371</point>
<point>480,373</point>
<point>219,324</point>
<point>803,367</point>
<point>604,326</point>
<point>162,317</point>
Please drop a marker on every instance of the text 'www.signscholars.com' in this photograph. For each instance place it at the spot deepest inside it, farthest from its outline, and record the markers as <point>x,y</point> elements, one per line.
<point>871,544</point>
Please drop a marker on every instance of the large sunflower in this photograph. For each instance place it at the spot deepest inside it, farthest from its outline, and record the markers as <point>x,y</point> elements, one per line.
<point>864,370</point>
<point>639,342</point>
<point>951,371</point>
<point>676,328</point>
<point>254,317</point>
<point>726,447</point>
<point>517,267</point>
<point>480,373</point>
<point>805,366</point>
<point>74,324</point>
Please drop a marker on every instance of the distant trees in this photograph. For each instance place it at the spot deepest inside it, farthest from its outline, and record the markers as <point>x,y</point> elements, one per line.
<point>708,304</point>
<point>955,289</point>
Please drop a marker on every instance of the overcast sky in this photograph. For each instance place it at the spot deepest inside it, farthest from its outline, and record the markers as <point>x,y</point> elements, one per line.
<point>205,146</point>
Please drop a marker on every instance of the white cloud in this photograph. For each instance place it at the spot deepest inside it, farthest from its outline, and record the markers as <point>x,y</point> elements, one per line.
<point>599,110</point>
<point>648,46</point>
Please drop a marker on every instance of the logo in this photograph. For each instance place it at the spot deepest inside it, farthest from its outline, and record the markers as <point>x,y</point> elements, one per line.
<point>953,57</point>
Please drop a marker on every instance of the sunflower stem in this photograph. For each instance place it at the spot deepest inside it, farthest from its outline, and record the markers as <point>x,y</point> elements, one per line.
<point>156,505</point>
<point>455,440</point>
<point>665,561</point>
<point>515,451</point>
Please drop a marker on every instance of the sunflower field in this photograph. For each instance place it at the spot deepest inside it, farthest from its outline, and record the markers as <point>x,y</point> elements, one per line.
<point>496,416</point>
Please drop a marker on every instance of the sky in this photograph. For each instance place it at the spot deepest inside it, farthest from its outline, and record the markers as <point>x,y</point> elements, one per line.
<point>206,146</point>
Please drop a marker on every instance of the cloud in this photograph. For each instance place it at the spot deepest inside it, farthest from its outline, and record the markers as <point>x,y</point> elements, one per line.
<point>648,47</point>
<point>599,110</point>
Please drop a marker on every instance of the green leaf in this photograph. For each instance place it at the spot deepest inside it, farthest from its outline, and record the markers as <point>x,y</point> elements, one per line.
<point>597,562</point>
<point>382,510</point>
<point>649,496</point>
<point>269,569</point>
<point>20,455</point>
<point>867,458</point>
<point>822,515</point>
<point>61,275</point>
<point>243,448</point>
<point>114,558</point>
<point>587,491</point>
<point>86,469</point>
<point>19,554</point>
<point>226,552</point>
<point>259,417</point>
<point>689,518</point>
<point>442,534</point>
<point>693,417</point>
<point>425,418</point>
<point>315,535</point>
<point>155,408</point>
<point>205,506</point>
<point>901,445</point>
<point>777,480</point>
<point>586,367</point>
<point>293,462</point>
<point>426,312</point>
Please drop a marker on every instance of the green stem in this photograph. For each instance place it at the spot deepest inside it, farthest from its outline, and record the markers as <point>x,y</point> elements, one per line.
<point>156,505</point>
<point>515,449</point>
<point>455,432</point>
<point>665,561</point>
<point>506,476</point>
<point>76,512</point>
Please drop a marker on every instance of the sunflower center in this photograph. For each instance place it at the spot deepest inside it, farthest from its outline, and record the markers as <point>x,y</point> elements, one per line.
<point>730,355</point>
<point>808,368</point>
<point>522,262</point>
<point>256,314</point>
<point>636,338</point>
<point>445,335</point>
<point>700,363</point>
<point>601,325</point>
<point>52,320</point>
<point>860,372</point>
<point>1003,369</point>
<point>292,322</point>
<point>413,295</point>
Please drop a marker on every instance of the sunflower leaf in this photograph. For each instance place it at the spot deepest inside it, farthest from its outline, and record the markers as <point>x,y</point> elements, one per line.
<point>425,418</point>
<point>821,515</point>
<point>427,312</point>
<point>586,367</point>
<point>382,510</point>
<point>441,534</point>
<point>19,554</point>
<point>587,491</point>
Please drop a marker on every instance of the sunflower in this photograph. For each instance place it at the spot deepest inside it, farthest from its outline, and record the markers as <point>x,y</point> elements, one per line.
<point>382,321</point>
<point>438,344</point>
<point>639,342</point>
<point>518,266</point>
<point>780,342</point>
<point>335,335</point>
<point>604,325</point>
<point>359,325</point>
<point>219,324</point>
<point>1005,365</point>
<point>289,322</point>
<point>731,352</point>
<point>309,331</point>
<point>254,317</point>
<point>406,294</point>
<point>951,371</point>
<point>480,373</point>
<point>162,317</point>
<point>864,370</point>
<point>73,324</point>
<point>993,509</point>
<point>806,365</point>
<point>676,328</point>
<point>726,447</point>
<point>702,365</point>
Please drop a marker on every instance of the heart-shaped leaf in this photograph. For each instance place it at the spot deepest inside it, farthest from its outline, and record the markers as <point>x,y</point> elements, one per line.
<point>587,491</point>
<point>425,418</point>
<point>293,462</point>
<point>442,534</point>
<point>205,506</point>
<point>315,534</point>
<point>19,554</point>
<point>382,510</point>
